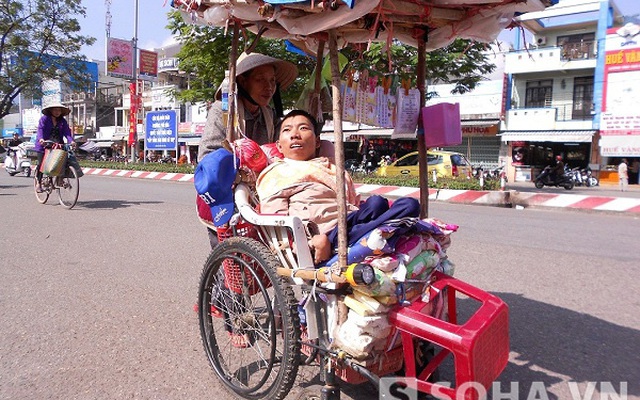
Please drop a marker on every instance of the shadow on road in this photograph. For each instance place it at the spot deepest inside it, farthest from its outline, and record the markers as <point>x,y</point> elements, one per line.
<point>550,347</point>
<point>554,345</point>
<point>13,187</point>
<point>112,204</point>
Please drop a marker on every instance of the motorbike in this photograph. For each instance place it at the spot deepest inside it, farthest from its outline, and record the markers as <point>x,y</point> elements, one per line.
<point>588,178</point>
<point>17,161</point>
<point>544,179</point>
<point>576,175</point>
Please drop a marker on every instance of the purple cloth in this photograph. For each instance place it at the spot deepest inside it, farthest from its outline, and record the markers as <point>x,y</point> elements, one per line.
<point>45,126</point>
<point>372,213</point>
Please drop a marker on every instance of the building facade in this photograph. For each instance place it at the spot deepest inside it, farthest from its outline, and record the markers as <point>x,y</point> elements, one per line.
<point>556,91</point>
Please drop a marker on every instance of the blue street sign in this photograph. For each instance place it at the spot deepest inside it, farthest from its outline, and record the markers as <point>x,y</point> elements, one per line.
<point>161,131</point>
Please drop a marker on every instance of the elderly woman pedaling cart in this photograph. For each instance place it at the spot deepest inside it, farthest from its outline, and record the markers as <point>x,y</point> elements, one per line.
<point>372,309</point>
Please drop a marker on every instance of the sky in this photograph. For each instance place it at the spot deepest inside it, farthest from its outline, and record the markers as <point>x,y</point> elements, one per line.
<point>152,21</point>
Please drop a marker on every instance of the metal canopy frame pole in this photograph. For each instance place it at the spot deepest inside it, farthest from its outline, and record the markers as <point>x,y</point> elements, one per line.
<point>339,149</point>
<point>422,147</point>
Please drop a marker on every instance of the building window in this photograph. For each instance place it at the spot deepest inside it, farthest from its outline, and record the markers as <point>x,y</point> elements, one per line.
<point>539,94</point>
<point>578,47</point>
<point>119,117</point>
<point>183,113</point>
<point>582,98</point>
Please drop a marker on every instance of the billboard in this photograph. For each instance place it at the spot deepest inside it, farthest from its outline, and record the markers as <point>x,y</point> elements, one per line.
<point>148,65</point>
<point>620,117</point>
<point>120,58</point>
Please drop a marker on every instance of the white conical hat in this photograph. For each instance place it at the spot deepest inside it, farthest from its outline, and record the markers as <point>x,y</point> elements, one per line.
<point>286,72</point>
<point>47,109</point>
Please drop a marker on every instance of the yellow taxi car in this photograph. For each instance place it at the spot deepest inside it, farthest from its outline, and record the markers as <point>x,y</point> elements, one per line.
<point>447,164</point>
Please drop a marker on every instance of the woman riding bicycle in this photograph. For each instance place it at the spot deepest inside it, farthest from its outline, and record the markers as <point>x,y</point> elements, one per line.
<point>52,126</point>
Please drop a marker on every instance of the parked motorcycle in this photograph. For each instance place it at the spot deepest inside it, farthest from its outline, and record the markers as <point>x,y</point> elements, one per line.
<point>588,178</point>
<point>545,179</point>
<point>576,175</point>
<point>488,174</point>
<point>17,161</point>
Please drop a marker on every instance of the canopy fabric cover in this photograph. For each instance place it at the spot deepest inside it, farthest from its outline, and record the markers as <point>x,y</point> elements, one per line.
<point>440,22</point>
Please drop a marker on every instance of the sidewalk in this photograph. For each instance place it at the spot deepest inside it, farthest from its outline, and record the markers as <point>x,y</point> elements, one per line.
<point>606,197</point>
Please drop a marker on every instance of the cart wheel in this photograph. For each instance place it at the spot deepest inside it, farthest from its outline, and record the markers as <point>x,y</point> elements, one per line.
<point>249,320</point>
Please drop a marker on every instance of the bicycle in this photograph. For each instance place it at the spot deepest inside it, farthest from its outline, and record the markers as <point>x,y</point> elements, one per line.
<point>67,184</point>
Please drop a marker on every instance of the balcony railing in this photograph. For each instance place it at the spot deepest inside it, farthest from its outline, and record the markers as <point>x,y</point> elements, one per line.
<point>563,102</point>
<point>585,50</point>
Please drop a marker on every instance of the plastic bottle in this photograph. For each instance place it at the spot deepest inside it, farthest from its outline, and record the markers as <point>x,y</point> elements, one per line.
<point>224,91</point>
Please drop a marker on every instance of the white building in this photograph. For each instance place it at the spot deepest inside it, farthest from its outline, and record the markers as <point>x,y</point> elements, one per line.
<point>556,88</point>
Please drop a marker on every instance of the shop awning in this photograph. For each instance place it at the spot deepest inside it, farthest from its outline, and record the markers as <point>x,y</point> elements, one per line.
<point>104,144</point>
<point>620,146</point>
<point>382,132</point>
<point>479,122</point>
<point>577,136</point>
<point>189,141</point>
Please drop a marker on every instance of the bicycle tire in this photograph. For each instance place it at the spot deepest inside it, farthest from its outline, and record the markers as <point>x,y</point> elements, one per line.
<point>266,316</point>
<point>69,188</point>
<point>42,197</point>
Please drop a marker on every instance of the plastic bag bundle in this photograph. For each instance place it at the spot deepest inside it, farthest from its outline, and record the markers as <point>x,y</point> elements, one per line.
<point>361,336</point>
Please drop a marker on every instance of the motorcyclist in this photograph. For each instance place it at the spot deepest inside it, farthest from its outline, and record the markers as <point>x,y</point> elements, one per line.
<point>557,170</point>
<point>14,142</point>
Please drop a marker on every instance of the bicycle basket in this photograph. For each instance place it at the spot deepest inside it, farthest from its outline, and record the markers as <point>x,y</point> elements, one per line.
<point>234,279</point>
<point>55,161</point>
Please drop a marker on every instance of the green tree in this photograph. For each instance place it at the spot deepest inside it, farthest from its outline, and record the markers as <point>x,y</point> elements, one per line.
<point>204,56</point>
<point>463,63</point>
<point>38,39</point>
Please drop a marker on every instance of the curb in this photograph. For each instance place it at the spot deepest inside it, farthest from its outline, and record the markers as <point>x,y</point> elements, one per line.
<point>510,198</point>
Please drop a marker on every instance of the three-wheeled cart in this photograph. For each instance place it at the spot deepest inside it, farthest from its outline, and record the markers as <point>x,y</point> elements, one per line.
<point>261,282</point>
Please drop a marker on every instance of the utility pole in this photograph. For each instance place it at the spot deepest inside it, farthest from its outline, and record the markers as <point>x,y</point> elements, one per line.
<point>134,95</point>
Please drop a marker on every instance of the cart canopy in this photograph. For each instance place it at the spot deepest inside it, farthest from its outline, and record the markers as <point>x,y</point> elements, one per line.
<point>439,22</point>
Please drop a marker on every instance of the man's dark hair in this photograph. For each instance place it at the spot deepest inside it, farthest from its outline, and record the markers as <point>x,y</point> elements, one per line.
<point>317,128</point>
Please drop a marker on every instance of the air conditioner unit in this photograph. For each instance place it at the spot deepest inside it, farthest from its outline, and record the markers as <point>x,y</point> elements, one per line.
<point>541,40</point>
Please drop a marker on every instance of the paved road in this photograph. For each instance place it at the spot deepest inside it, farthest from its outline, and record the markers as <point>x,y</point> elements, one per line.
<point>96,302</point>
<point>605,189</point>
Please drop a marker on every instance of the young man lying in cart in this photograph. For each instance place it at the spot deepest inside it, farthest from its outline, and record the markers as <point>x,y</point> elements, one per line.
<point>304,185</point>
